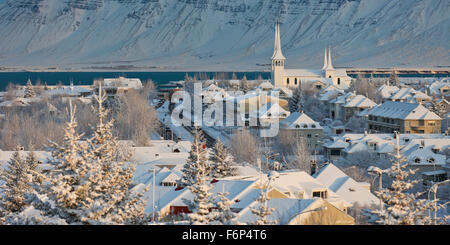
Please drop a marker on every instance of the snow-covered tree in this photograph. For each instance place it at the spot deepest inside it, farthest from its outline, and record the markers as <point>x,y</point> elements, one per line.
<point>222,163</point>
<point>16,178</point>
<point>223,208</point>
<point>197,164</point>
<point>29,90</point>
<point>295,101</point>
<point>111,199</point>
<point>402,207</point>
<point>262,211</point>
<point>69,181</point>
<point>245,85</point>
<point>203,203</point>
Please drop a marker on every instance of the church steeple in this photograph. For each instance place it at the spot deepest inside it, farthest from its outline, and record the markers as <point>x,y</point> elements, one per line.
<point>325,62</point>
<point>330,65</point>
<point>277,54</point>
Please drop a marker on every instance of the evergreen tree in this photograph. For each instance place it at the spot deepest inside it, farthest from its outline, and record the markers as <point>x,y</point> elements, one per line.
<point>29,90</point>
<point>203,203</point>
<point>111,197</point>
<point>295,102</point>
<point>222,164</point>
<point>262,211</point>
<point>223,209</point>
<point>197,164</point>
<point>244,85</point>
<point>70,181</point>
<point>19,178</point>
<point>401,205</point>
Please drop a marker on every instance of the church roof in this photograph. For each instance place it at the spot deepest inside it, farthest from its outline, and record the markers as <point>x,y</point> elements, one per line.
<point>302,73</point>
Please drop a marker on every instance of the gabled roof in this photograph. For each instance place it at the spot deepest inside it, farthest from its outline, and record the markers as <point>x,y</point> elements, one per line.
<point>403,110</point>
<point>359,101</point>
<point>270,110</point>
<point>298,120</point>
<point>346,187</point>
<point>266,85</point>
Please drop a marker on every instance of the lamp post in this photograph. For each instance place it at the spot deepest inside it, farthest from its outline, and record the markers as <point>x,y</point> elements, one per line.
<point>379,172</point>
<point>434,188</point>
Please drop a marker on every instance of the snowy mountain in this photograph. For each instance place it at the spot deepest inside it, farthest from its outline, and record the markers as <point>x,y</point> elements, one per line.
<point>223,34</point>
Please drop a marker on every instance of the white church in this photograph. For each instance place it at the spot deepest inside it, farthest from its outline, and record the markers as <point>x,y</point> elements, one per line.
<point>292,78</point>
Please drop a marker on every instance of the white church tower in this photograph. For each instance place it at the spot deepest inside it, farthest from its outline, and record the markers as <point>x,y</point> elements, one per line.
<point>277,60</point>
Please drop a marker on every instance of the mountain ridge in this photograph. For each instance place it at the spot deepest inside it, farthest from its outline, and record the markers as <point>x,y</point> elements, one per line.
<point>226,34</point>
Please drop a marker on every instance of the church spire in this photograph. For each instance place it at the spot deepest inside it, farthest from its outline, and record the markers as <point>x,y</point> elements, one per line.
<point>277,54</point>
<point>325,63</point>
<point>330,65</point>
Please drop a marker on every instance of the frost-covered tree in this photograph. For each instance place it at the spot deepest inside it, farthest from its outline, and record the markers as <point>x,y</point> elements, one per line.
<point>197,164</point>
<point>402,207</point>
<point>244,85</point>
<point>222,163</point>
<point>69,181</point>
<point>203,203</point>
<point>29,90</point>
<point>295,101</point>
<point>262,211</point>
<point>17,178</point>
<point>111,199</point>
<point>223,208</point>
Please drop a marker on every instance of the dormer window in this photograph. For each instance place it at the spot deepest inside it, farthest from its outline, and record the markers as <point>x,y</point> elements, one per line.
<point>417,160</point>
<point>305,126</point>
<point>431,160</point>
<point>313,126</point>
<point>297,126</point>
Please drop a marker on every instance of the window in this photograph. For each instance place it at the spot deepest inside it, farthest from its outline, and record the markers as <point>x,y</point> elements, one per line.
<point>339,81</point>
<point>421,122</point>
<point>335,152</point>
<point>295,81</point>
<point>313,126</point>
<point>309,136</point>
<point>430,160</point>
<point>417,160</point>
<point>297,126</point>
<point>321,194</point>
<point>287,81</point>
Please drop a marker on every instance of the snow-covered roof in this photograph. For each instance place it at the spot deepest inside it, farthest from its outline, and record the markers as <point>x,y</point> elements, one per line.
<point>266,85</point>
<point>435,87</point>
<point>403,110</point>
<point>296,182</point>
<point>303,73</point>
<point>284,210</point>
<point>270,111</point>
<point>359,101</point>
<point>281,90</point>
<point>344,186</point>
<point>386,91</point>
<point>122,82</point>
<point>408,94</point>
<point>299,120</point>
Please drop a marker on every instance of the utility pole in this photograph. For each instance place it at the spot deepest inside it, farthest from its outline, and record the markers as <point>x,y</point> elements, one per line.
<point>153,198</point>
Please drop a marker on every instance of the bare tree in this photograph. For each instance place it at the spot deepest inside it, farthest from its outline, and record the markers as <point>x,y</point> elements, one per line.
<point>244,147</point>
<point>135,119</point>
<point>11,92</point>
<point>149,90</point>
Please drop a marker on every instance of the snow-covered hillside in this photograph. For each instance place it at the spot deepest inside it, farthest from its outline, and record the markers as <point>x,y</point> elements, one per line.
<point>223,34</point>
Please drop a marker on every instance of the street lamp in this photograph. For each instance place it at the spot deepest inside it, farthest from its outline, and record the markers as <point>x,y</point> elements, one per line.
<point>434,188</point>
<point>378,171</point>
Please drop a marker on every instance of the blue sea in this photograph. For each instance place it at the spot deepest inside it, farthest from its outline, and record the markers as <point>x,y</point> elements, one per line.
<point>86,78</point>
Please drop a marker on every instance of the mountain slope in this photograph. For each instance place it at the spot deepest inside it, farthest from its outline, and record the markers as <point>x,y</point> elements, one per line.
<point>223,34</point>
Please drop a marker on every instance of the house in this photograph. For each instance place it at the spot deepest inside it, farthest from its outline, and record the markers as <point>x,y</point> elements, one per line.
<point>386,92</point>
<point>403,117</point>
<point>346,187</point>
<point>119,85</point>
<point>265,86</point>
<point>380,144</point>
<point>302,126</point>
<point>409,95</point>
<point>354,105</point>
<point>439,88</point>
<point>268,114</point>
<point>315,211</point>
<point>292,78</point>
